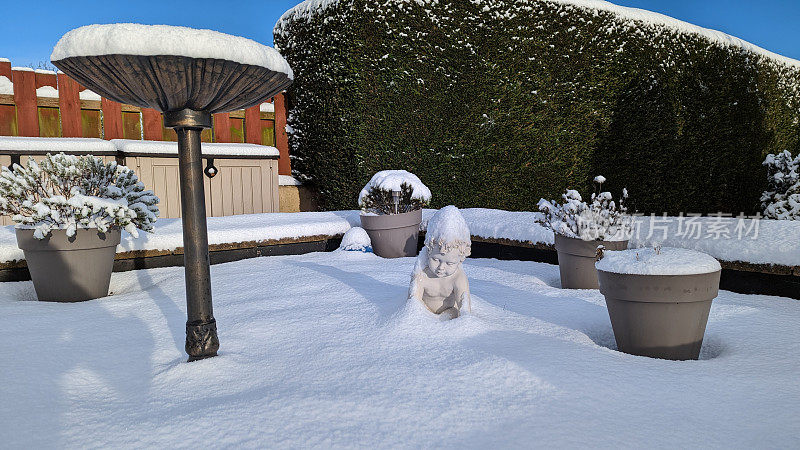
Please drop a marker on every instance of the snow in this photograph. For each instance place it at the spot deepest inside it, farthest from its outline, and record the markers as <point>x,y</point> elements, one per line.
<point>22,69</point>
<point>148,40</point>
<point>87,94</point>
<point>267,107</point>
<point>356,239</point>
<point>658,261</point>
<point>309,8</point>
<point>320,350</point>
<point>599,179</point>
<point>47,91</point>
<point>392,180</point>
<point>5,60</point>
<point>209,149</point>
<point>725,238</point>
<point>775,243</point>
<point>55,145</point>
<point>6,86</point>
<point>288,180</point>
<point>447,226</point>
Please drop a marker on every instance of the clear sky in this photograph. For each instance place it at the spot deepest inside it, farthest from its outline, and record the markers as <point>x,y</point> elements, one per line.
<point>29,30</point>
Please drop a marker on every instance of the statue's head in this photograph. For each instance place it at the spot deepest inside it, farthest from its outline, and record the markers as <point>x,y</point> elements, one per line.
<point>447,241</point>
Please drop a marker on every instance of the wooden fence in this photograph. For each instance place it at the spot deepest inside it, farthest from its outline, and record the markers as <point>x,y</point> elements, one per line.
<point>40,103</point>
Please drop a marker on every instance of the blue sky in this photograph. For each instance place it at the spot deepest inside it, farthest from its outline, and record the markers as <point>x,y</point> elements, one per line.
<point>28,31</point>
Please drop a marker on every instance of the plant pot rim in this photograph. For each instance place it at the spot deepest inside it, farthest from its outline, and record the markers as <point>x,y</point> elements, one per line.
<point>391,221</point>
<point>645,288</point>
<point>57,239</point>
<point>587,249</point>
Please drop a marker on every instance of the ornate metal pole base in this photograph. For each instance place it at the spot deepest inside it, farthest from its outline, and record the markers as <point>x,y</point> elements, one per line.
<point>201,328</point>
<point>201,340</point>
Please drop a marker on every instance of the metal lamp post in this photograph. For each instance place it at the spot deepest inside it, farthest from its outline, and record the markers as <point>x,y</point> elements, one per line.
<point>187,90</point>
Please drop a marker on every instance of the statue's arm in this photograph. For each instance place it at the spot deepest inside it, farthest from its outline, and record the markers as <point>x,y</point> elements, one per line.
<point>416,289</point>
<point>462,292</point>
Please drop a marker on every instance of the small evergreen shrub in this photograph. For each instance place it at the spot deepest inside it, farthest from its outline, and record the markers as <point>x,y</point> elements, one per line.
<point>602,219</point>
<point>376,197</point>
<point>71,192</point>
<point>781,200</point>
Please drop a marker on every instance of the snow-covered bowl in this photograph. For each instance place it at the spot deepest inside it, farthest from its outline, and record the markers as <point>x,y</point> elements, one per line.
<point>659,299</point>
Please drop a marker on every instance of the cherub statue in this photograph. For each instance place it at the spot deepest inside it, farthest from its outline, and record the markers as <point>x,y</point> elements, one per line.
<point>438,280</point>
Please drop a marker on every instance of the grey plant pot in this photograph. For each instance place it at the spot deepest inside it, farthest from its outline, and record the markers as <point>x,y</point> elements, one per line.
<point>70,269</point>
<point>660,316</point>
<point>393,235</point>
<point>576,259</point>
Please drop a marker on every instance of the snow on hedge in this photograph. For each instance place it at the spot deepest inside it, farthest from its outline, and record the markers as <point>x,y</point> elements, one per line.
<point>318,352</point>
<point>150,40</point>
<point>781,200</point>
<point>130,146</point>
<point>658,261</point>
<point>630,16</point>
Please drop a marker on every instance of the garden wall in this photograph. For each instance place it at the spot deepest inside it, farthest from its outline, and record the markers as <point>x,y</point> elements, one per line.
<point>496,103</point>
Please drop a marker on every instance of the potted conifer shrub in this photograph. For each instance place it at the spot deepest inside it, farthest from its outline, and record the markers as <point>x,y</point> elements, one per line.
<point>580,228</point>
<point>658,299</point>
<point>69,212</point>
<point>391,211</point>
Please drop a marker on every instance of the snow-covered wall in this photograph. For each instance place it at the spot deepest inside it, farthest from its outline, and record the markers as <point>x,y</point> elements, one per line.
<point>497,103</point>
<point>727,239</point>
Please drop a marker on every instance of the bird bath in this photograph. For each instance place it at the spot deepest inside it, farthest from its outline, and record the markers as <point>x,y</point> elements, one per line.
<point>188,75</point>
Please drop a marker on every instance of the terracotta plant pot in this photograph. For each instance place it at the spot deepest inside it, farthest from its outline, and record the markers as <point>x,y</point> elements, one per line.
<point>393,235</point>
<point>70,269</point>
<point>660,316</point>
<point>576,259</point>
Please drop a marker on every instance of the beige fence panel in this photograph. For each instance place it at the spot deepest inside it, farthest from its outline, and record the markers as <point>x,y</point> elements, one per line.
<point>242,186</point>
<point>5,161</point>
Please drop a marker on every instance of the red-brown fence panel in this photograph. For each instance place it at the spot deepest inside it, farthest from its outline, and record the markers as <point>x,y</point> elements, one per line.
<point>112,119</point>
<point>25,99</point>
<point>222,127</point>
<point>252,124</point>
<point>151,119</point>
<point>70,105</point>
<point>281,138</point>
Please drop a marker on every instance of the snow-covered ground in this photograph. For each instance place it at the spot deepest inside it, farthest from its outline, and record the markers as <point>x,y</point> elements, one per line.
<point>725,238</point>
<point>319,351</point>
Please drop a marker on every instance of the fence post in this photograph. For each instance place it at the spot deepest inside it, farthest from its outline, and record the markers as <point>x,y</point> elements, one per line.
<point>25,98</point>
<point>252,124</point>
<point>69,103</point>
<point>281,138</point>
<point>5,69</point>
<point>222,127</point>
<point>112,119</point>
<point>151,121</point>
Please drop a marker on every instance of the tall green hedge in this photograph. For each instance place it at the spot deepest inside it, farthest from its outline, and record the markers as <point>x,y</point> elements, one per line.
<point>496,103</point>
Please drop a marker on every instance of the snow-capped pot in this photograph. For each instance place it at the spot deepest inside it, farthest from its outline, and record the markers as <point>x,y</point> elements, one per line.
<point>392,220</point>
<point>658,299</point>
<point>781,200</point>
<point>69,212</point>
<point>580,228</point>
